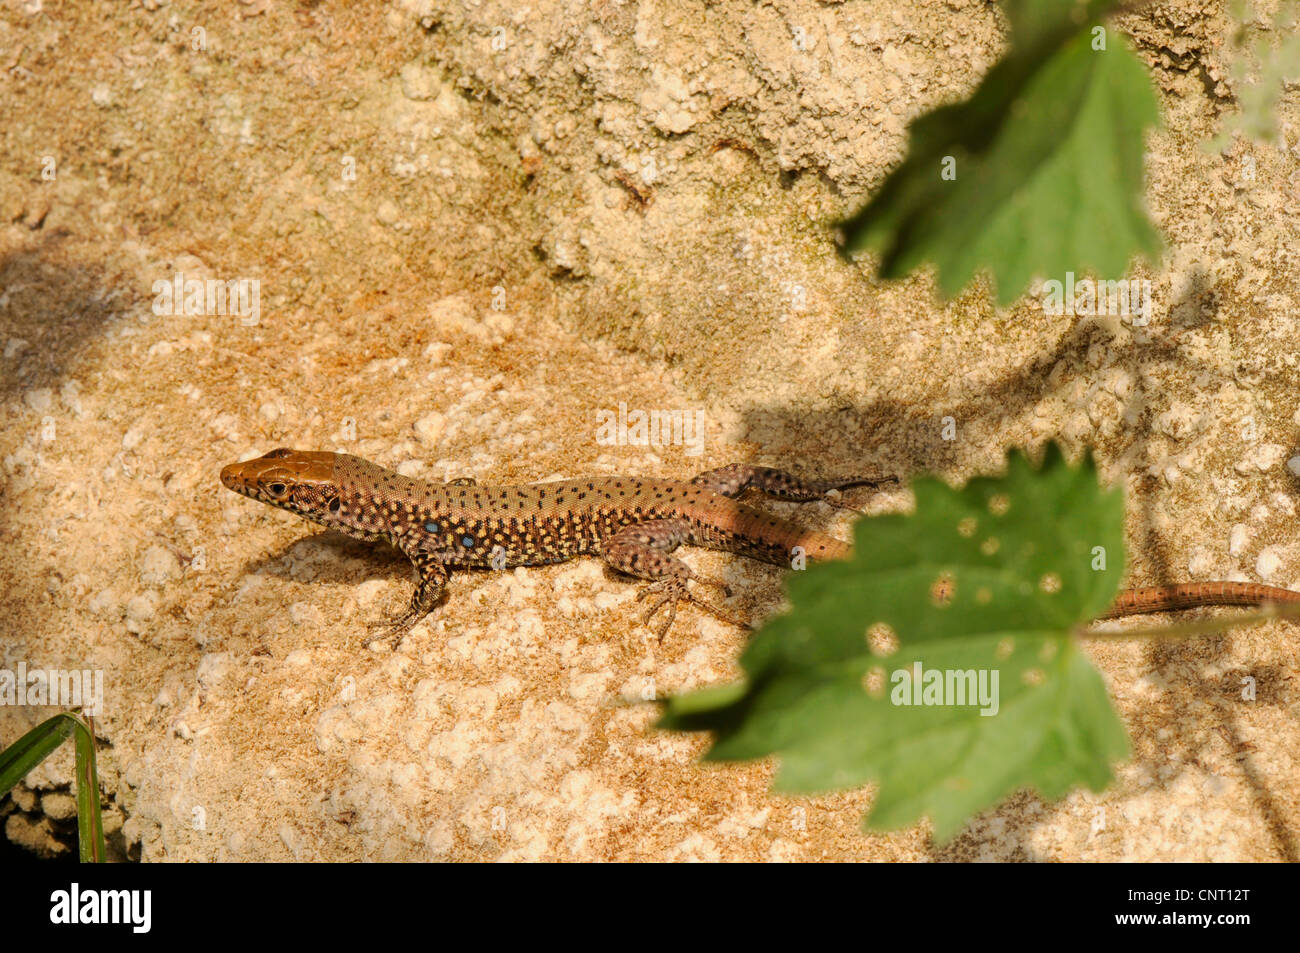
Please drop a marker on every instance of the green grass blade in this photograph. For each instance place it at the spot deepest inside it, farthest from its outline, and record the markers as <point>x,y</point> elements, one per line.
<point>90,826</point>
<point>31,749</point>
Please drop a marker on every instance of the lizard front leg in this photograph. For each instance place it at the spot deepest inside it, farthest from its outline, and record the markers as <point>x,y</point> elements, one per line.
<point>735,478</point>
<point>643,550</point>
<point>429,588</point>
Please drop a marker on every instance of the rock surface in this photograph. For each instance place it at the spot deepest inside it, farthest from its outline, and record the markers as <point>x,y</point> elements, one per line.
<point>473,228</point>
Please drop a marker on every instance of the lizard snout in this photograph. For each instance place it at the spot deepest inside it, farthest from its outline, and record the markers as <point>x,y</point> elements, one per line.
<point>273,474</point>
<point>244,477</point>
<point>232,476</point>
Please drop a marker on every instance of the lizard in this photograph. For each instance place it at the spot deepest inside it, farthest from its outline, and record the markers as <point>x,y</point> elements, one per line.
<point>633,523</point>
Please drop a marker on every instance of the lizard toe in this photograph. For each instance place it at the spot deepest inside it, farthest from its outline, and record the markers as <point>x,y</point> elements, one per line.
<point>719,584</point>
<point>673,590</point>
<point>391,629</point>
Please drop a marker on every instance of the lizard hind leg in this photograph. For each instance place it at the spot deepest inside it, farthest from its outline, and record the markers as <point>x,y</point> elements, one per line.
<point>644,550</point>
<point>735,478</point>
<point>429,588</point>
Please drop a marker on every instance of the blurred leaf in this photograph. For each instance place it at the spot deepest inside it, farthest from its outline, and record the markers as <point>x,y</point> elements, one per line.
<point>990,578</point>
<point>1047,155</point>
<point>1272,61</point>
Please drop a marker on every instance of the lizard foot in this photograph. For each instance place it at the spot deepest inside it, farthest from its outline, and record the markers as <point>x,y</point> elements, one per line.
<point>842,506</point>
<point>839,492</point>
<point>391,630</point>
<point>673,590</point>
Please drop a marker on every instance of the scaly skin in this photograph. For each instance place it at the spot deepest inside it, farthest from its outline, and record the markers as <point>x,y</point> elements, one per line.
<point>634,524</point>
<point>1194,595</point>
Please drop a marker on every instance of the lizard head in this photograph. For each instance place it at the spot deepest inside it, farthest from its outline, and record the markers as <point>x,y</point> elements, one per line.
<point>300,481</point>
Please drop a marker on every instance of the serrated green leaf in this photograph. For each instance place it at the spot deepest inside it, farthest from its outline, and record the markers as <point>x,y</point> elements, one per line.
<point>990,578</point>
<point>1048,163</point>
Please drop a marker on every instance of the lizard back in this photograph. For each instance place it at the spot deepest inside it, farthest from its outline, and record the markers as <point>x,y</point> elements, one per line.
<point>538,523</point>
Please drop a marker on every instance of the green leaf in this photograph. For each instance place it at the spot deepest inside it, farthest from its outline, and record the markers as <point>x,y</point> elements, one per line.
<point>990,578</point>
<point>90,826</point>
<point>38,744</point>
<point>1048,166</point>
<point>31,749</point>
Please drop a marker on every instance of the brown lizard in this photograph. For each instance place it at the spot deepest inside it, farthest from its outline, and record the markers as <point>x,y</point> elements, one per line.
<point>634,524</point>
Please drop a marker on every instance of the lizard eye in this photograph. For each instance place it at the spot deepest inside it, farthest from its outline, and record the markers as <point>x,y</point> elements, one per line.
<point>333,506</point>
<point>276,489</point>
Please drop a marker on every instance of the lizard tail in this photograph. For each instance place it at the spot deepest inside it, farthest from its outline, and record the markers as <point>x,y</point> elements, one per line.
<point>759,535</point>
<point>1192,595</point>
